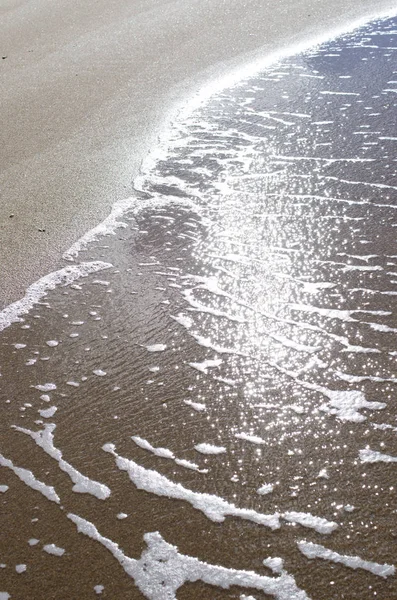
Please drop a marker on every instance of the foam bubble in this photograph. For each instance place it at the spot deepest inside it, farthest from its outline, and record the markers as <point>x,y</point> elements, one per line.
<point>254,439</point>
<point>209,449</point>
<point>21,568</point>
<point>54,550</point>
<point>266,488</point>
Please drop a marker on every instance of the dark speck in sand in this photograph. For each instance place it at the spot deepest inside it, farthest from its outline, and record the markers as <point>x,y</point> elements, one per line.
<point>3,57</point>
<point>11,216</point>
<point>42,230</point>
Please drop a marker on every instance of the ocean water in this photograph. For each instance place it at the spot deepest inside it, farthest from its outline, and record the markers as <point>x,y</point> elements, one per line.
<point>210,411</point>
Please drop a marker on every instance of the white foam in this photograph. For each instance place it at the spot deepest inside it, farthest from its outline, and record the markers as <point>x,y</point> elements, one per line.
<point>199,307</point>
<point>156,347</point>
<point>361,378</point>
<point>206,364</point>
<point>82,484</point>
<point>354,562</point>
<point>33,541</point>
<point>206,342</point>
<point>310,287</point>
<point>53,549</point>
<point>384,426</point>
<point>4,596</point>
<point>99,373</point>
<point>3,489</point>
<point>323,474</point>
<point>29,479</point>
<point>266,488</point>
<point>122,516</point>
<point>276,564</point>
<point>46,387</point>
<point>47,413</point>
<point>162,570</point>
<point>21,568</point>
<point>254,439</point>
<point>198,406</point>
<point>215,508</point>
<point>101,282</point>
<point>108,227</point>
<point>344,404</point>
<point>17,346</point>
<point>165,453</point>
<point>98,589</point>
<point>13,312</point>
<point>183,320</point>
<point>331,313</point>
<point>319,524</point>
<point>52,343</point>
<point>205,448</point>
<point>372,456</point>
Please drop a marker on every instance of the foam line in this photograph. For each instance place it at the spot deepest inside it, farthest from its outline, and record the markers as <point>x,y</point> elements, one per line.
<point>166,453</point>
<point>372,456</point>
<point>13,312</point>
<point>82,484</point>
<point>354,562</point>
<point>108,226</point>
<point>27,477</point>
<point>214,508</point>
<point>188,106</point>
<point>162,569</point>
<point>259,64</point>
<point>320,524</point>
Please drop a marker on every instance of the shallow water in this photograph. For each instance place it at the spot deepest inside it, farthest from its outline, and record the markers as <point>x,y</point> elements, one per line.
<point>227,376</point>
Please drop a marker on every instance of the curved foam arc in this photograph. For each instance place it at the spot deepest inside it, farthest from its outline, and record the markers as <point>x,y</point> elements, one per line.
<point>162,569</point>
<point>185,108</point>
<point>38,290</point>
<point>114,221</point>
<point>242,73</point>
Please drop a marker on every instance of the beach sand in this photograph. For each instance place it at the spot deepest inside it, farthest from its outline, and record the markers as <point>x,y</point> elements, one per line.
<point>86,88</point>
<point>235,340</point>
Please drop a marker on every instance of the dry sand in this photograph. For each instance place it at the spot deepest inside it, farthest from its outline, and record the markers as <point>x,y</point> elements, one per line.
<point>85,87</point>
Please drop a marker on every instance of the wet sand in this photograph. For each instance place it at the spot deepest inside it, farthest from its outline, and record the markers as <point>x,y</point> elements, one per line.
<point>85,89</point>
<point>228,379</point>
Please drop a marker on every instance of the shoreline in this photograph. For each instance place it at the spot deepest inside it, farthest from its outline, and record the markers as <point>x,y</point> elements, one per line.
<point>59,184</point>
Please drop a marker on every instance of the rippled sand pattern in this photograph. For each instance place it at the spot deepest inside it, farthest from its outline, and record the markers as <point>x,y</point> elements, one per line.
<point>210,412</point>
